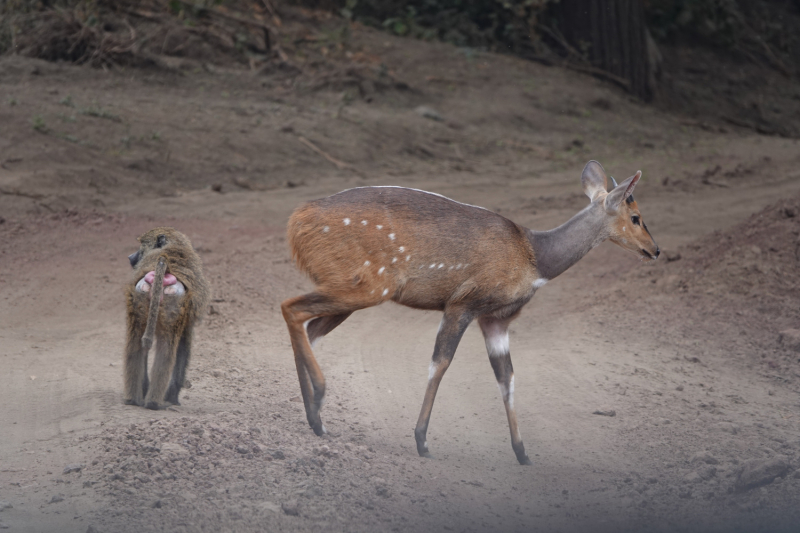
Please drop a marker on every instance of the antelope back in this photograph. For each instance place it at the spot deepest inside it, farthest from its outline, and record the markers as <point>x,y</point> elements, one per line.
<point>371,244</point>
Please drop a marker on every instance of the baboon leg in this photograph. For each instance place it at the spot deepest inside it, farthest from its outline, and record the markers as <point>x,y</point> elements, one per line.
<point>136,382</point>
<point>296,312</point>
<point>163,363</point>
<point>454,323</point>
<point>495,333</point>
<point>179,372</point>
<point>319,327</point>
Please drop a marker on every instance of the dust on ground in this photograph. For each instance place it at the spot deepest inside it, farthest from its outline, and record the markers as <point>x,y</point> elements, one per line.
<point>696,355</point>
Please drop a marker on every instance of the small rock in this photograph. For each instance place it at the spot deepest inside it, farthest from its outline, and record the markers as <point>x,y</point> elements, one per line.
<point>270,506</point>
<point>727,427</point>
<point>91,529</point>
<point>278,454</point>
<point>759,472</point>
<point>692,477</point>
<point>242,449</point>
<point>679,388</point>
<point>704,457</point>
<point>707,472</point>
<point>428,112</point>
<point>72,468</point>
<point>607,412</point>
<point>789,212</point>
<point>172,447</point>
<point>5,505</point>
<point>290,507</point>
<point>217,373</point>
<point>790,338</point>
<point>197,430</point>
<point>57,498</point>
<point>157,504</point>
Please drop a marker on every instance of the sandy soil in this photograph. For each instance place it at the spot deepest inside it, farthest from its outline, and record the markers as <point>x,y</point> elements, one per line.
<point>688,352</point>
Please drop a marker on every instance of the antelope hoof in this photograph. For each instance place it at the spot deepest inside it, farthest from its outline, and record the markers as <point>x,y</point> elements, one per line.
<point>524,460</point>
<point>128,401</point>
<point>319,429</point>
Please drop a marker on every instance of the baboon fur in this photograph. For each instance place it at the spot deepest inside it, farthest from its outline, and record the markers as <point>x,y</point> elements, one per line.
<point>177,316</point>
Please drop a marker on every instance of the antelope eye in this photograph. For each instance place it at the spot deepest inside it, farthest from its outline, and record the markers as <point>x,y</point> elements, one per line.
<point>635,220</point>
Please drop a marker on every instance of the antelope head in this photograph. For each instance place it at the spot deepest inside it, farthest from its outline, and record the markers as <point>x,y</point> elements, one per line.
<point>623,221</point>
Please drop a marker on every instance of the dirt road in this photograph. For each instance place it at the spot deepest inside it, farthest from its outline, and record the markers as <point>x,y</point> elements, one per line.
<point>705,437</point>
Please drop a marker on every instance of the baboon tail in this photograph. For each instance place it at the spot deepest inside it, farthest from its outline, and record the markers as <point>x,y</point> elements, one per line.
<point>156,291</point>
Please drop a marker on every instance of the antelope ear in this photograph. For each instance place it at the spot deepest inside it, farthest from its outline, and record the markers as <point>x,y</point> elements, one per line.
<point>621,193</point>
<point>593,179</point>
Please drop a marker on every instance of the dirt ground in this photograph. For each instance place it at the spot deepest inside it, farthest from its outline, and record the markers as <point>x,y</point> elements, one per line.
<point>696,354</point>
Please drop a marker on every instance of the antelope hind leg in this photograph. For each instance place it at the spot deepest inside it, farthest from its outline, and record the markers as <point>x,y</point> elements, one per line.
<point>328,313</point>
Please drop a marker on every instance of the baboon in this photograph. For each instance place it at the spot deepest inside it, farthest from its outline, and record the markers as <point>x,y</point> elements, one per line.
<point>168,295</point>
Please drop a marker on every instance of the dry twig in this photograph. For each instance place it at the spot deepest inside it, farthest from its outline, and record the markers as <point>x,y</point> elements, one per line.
<point>341,165</point>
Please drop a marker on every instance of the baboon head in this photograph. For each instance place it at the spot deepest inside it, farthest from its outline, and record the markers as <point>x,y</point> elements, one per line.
<point>156,239</point>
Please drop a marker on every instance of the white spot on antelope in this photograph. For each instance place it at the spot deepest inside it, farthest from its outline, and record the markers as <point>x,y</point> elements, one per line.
<point>408,258</point>
<point>366,263</point>
<point>391,236</point>
<point>507,393</point>
<point>458,266</point>
<point>394,260</point>
<point>625,241</point>
<point>381,269</point>
<point>326,229</point>
<point>539,283</point>
<point>379,226</point>
<point>433,265</point>
<point>432,370</point>
<point>363,222</point>
<point>441,265</point>
<point>624,228</point>
<point>450,267</point>
<point>497,344</point>
<point>385,292</point>
<point>503,390</point>
<point>401,249</point>
<point>346,221</point>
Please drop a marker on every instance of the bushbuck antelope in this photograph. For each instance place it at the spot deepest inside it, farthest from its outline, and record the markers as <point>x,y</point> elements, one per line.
<point>364,246</point>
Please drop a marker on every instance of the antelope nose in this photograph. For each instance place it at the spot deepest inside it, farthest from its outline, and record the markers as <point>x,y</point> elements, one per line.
<point>658,252</point>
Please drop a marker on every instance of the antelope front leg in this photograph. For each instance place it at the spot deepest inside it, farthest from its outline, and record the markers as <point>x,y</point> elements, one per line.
<point>453,325</point>
<point>495,332</point>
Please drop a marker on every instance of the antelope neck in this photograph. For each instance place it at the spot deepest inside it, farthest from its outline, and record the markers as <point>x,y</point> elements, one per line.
<point>558,249</point>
